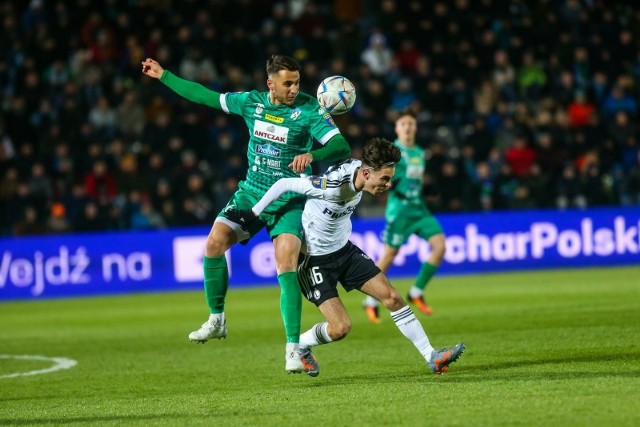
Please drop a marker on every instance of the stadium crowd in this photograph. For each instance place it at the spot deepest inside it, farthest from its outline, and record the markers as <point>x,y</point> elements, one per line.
<point>521,104</point>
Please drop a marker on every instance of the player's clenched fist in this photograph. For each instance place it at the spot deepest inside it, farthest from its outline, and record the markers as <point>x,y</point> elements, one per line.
<point>151,68</point>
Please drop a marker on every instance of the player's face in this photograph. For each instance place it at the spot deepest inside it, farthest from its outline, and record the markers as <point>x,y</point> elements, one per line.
<point>284,87</point>
<point>379,181</point>
<point>406,128</point>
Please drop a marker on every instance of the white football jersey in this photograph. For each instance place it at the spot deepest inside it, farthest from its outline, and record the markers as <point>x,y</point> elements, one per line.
<point>331,199</point>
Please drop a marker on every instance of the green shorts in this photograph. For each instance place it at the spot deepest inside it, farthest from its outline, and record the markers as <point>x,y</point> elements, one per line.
<point>282,216</point>
<point>397,231</point>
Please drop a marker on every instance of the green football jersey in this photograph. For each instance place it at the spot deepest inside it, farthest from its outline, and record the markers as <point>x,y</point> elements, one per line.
<point>406,194</point>
<point>278,133</point>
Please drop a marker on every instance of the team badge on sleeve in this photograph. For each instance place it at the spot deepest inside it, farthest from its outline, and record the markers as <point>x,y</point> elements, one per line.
<point>318,182</point>
<point>327,118</point>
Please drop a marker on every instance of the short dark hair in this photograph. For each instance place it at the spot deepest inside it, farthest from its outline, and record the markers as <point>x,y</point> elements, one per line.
<point>380,152</point>
<point>407,112</point>
<point>281,62</point>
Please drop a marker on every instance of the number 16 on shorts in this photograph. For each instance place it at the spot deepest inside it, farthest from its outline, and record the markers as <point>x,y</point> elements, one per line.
<point>309,278</point>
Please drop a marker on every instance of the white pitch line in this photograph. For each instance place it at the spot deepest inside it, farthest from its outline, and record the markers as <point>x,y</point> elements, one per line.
<point>59,363</point>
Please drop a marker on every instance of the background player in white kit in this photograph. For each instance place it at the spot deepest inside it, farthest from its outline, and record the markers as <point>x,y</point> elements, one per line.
<point>332,258</point>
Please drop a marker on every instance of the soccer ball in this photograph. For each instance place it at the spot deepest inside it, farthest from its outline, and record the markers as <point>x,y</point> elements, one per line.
<point>336,94</point>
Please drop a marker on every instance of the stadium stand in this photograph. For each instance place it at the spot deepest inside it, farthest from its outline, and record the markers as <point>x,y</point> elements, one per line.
<point>521,104</point>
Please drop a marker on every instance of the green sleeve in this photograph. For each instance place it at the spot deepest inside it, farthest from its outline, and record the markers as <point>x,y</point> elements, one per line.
<point>337,148</point>
<point>192,91</point>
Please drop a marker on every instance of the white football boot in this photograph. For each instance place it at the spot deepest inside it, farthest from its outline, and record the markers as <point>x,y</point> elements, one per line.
<point>293,363</point>
<point>212,328</point>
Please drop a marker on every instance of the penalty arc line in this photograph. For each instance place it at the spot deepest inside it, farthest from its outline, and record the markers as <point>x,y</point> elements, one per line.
<point>59,364</point>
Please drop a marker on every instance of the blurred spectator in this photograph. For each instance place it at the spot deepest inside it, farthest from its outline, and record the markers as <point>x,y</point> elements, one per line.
<point>145,217</point>
<point>619,101</point>
<point>452,185</point>
<point>90,219</point>
<point>580,110</point>
<point>130,116</point>
<point>478,194</point>
<point>100,181</point>
<point>377,56</point>
<point>196,67</point>
<point>569,190</point>
<point>128,177</point>
<point>520,156</point>
<point>504,75</point>
<point>504,188</point>
<point>531,77</point>
<point>57,221</point>
<point>103,117</point>
<point>480,139</point>
<point>403,96</point>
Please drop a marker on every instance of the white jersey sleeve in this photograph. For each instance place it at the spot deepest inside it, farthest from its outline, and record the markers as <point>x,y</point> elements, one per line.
<point>326,219</point>
<point>329,187</point>
<point>331,199</point>
<point>297,185</point>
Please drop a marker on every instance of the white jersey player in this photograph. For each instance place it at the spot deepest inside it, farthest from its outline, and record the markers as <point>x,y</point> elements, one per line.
<point>331,199</point>
<point>332,258</point>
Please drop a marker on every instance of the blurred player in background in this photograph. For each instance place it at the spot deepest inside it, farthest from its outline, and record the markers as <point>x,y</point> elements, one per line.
<point>332,258</point>
<point>282,124</point>
<point>407,214</point>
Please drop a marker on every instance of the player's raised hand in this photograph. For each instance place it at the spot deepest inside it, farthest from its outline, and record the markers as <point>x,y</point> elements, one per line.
<point>151,68</point>
<point>300,162</point>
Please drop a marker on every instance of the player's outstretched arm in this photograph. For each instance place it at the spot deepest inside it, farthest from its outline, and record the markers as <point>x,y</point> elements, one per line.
<point>297,185</point>
<point>337,148</point>
<point>192,91</point>
<point>245,217</point>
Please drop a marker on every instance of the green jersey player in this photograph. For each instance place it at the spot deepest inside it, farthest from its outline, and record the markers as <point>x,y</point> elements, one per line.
<point>407,214</point>
<point>282,122</point>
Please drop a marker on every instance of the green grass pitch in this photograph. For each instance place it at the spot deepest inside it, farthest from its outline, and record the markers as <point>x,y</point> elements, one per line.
<point>557,347</point>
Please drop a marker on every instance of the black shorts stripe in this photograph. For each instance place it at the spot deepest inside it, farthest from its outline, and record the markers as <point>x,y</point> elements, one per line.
<point>304,279</point>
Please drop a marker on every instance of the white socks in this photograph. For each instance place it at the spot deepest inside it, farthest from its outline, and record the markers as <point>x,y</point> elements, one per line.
<point>411,328</point>
<point>292,347</point>
<point>315,336</point>
<point>217,317</point>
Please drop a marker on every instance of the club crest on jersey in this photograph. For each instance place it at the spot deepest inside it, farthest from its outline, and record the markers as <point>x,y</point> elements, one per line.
<point>296,113</point>
<point>274,119</point>
<point>259,108</point>
<point>319,182</point>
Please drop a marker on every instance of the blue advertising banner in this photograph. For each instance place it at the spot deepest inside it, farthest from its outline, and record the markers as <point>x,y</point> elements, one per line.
<point>90,264</point>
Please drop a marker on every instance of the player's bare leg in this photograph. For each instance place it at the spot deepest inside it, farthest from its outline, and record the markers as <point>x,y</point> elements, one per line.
<point>384,263</point>
<point>438,360</point>
<point>336,327</point>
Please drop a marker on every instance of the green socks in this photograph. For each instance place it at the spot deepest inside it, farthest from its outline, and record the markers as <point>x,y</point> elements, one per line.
<point>290,305</point>
<point>426,273</point>
<point>216,282</point>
